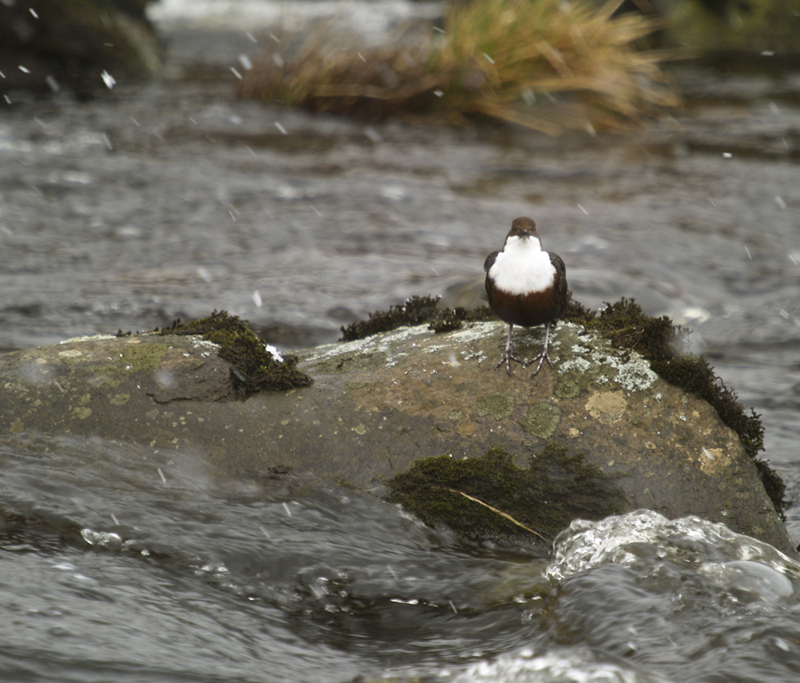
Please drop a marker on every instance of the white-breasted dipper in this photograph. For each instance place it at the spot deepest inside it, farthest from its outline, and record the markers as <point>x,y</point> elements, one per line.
<point>526,286</point>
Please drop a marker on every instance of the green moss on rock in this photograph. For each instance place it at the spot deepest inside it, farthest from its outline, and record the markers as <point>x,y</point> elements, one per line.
<point>417,310</point>
<point>253,368</point>
<point>545,496</point>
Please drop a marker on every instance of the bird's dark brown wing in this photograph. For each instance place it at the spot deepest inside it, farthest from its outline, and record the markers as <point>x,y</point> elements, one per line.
<point>561,293</point>
<point>487,265</point>
<point>489,262</point>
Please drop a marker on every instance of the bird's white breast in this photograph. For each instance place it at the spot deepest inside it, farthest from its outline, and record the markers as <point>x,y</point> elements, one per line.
<point>522,267</point>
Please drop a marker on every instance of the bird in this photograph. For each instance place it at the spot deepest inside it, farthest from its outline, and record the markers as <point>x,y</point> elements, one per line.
<point>526,286</point>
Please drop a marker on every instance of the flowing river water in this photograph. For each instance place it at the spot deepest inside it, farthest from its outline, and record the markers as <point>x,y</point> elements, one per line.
<point>167,200</point>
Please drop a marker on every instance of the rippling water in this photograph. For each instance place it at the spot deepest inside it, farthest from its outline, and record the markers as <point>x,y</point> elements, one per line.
<point>124,564</point>
<point>166,200</point>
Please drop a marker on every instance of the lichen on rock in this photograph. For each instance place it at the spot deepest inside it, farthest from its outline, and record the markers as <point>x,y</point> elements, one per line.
<point>660,343</point>
<point>541,420</point>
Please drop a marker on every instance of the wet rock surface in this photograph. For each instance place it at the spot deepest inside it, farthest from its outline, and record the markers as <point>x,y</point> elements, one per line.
<point>69,43</point>
<point>380,404</point>
<point>747,27</point>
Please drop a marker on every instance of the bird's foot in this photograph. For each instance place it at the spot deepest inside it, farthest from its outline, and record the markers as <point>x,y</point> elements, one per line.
<point>542,357</point>
<point>507,358</point>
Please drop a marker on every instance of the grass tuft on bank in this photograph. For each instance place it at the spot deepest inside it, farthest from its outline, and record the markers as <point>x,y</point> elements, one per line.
<point>543,64</point>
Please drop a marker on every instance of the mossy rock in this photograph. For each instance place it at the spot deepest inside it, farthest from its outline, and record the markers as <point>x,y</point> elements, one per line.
<point>660,341</point>
<point>544,496</point>
<point>627,327</point>
<point>416,310</point>
<point>394,403</point>
<point>253,367</point>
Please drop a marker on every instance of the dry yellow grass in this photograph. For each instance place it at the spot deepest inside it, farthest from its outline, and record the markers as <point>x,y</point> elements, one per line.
<point>544,64</point>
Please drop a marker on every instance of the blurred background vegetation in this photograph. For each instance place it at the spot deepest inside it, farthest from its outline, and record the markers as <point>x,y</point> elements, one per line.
<point>544,64</point>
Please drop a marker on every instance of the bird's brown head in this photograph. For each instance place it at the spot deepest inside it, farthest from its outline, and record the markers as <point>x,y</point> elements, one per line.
<point>523,227</point>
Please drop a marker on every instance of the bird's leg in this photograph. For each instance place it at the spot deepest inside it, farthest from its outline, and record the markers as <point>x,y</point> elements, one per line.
<point>508,356</point>
<point>543,355</point>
